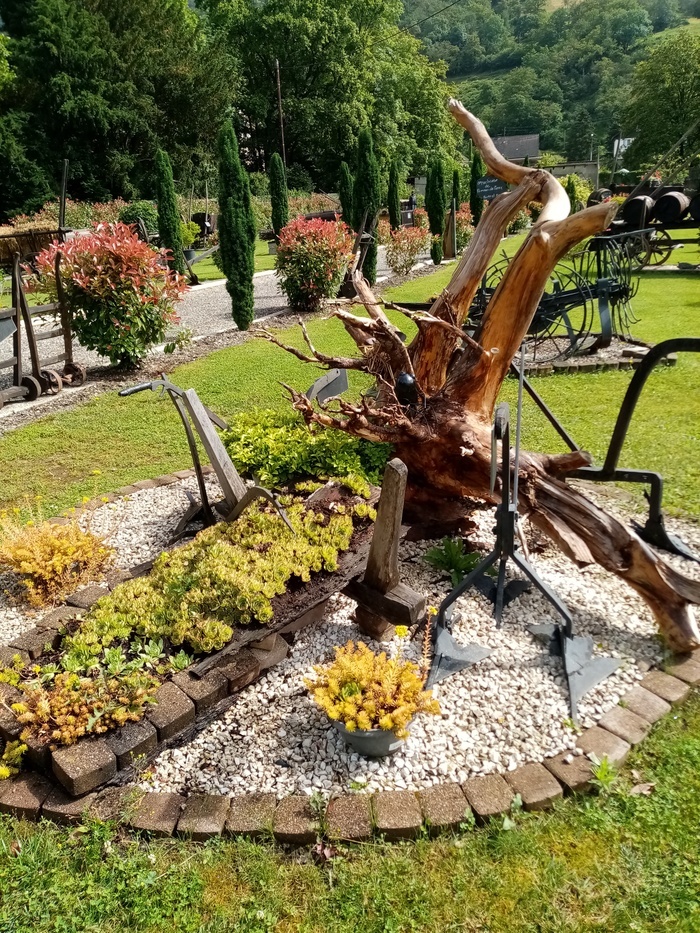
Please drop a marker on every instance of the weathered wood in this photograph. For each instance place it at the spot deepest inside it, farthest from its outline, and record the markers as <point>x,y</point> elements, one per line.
<point>445,439</point>
<point>231,484</point>
<point>382,571</point>
<point>401,605</point>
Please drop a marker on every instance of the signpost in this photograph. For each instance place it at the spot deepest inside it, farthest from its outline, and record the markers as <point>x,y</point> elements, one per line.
<point>488,188</point>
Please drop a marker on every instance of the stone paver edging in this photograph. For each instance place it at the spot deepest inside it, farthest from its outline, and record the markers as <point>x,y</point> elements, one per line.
<point>352,817</point>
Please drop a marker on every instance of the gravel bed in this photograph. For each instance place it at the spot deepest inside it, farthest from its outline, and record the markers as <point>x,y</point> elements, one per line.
<point>509,709</point>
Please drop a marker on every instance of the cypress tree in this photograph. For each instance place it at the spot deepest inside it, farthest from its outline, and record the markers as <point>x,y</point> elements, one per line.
<point>571,191</point>
<point>435,197</point>
<point>278,194</point>
<point>475,202</point>
<point>526,162</point>
<point>456,193</point>
<point>236,228</point>
<point>394,199</point>
<point>345,186</point>
<point>366,198</point>
<point>168,215</point>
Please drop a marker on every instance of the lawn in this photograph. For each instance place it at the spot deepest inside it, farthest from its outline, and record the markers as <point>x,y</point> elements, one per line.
<point>620,862</point>
<point>131,439</point>
<point>207,271</point>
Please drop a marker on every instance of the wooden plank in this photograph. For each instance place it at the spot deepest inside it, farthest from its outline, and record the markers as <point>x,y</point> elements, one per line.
<point>383,562</point>
<point>401,605</point>
<point>231,483</point>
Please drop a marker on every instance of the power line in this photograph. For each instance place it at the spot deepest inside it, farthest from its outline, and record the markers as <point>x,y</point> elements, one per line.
<point>413,25</point>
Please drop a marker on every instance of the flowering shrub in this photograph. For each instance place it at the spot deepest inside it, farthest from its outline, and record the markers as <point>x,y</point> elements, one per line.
<point>79,215</point>
<point>519,222</point>
<point>312,257</point>
<point>407,243</point>
<point>120,292</point>
<point>383,232</point>
<point>465,228</point>
<point>420,218</point>
<point>368,691</point>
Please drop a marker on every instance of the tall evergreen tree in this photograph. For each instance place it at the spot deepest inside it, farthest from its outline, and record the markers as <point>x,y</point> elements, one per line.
<point>345,186</point>
<point>456,193</point>
<point>366,198</point>
<point>476,203</point>
<point>394,198</point>
<point>236,228</point>
<point>570,189</point>
<point>435,204</point>
<point>278,194</point>
<point>169,224</point>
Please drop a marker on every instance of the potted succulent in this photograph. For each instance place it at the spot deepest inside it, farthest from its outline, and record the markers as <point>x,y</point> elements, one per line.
<point>370,698</point>
<point>189,233</point>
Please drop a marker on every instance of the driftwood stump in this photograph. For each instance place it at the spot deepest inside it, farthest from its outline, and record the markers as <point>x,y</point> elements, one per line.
<point>444,436</point>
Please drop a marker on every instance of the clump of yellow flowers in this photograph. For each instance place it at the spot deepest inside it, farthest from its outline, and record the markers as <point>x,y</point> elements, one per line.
<point>365,691</point>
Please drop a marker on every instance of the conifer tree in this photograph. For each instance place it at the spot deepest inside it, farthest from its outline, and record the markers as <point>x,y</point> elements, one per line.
<point>366,198</point>
<point>345,187</point>
<point>169,228</point>
<point>570,188</point>
<point>278,194</point>
<point>394,198</point>
<point>435,204</point>
<point>236,228</point>
<point>456,193</point>
<point>476,203</point>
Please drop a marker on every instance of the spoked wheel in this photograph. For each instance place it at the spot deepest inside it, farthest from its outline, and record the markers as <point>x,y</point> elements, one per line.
<point>33,387</point>
<point>564,317</point>
<point>660,247</point>
<point>74,374</point>
<point>484,293</point>
<point>639,250</point>
<point>51,382</point>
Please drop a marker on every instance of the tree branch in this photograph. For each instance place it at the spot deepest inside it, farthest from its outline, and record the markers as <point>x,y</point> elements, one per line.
<point>330,362</point>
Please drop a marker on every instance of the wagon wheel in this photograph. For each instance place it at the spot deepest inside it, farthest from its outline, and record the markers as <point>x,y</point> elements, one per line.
<point>51,382</point>
<point>564,317</point>
<point>639,250</point>
<point>33,387</point>
<point>487,287</point>
<point>661,247</point>
<point>74,374</point>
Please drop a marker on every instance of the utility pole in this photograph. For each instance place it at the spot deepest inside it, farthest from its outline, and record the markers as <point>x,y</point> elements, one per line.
<point>279,105</point>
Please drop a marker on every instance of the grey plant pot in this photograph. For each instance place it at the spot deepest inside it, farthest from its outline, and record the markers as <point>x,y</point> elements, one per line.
<point>190,254</point>
<point>377,743</point>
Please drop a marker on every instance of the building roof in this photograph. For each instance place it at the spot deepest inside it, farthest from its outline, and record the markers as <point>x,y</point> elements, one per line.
<point>517,147</point>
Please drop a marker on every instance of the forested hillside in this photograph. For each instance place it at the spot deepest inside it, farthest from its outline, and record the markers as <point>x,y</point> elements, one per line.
<point>564,73</point>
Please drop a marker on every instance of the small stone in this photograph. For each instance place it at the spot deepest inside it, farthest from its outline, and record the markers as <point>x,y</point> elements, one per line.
<point>157,813</point>
<point>349,818</point>
<point>397,814</point>
<point>646,704</point>
<point>294,822</point>
<point>22,796</point>
<point>10,728</point>
<point>444,807</point>
<point>242,671</point>
<point>132,741</point>
<point>115,577</point>
<point>668,688</point>
<point>146,484</point>
<point>489,796</point>
<point>251,815</point>
<point>8,655</point>
<point>685,668</point>
<point>66,810</point>
<point>537,787</point>
<point>205,691</point>
<point>83,766</point>
<point>603,744</point>
<point>172,712</point>
<point>204,816</point>
<point>625,724</point>
<point>87,597</point>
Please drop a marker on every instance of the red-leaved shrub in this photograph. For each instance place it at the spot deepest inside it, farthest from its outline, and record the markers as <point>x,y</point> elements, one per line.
<point>407,243</point>
<point>120,292</point>
<point>312,257</point>
<point>465,228</point>
<point>420,218</point>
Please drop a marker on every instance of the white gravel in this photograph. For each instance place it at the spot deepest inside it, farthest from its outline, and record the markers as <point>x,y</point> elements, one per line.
<point>509,709</point>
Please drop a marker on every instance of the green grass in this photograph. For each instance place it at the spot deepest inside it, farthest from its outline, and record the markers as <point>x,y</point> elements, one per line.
<point>137,438</point>
<point>616,863</point>
<point>207,271</point>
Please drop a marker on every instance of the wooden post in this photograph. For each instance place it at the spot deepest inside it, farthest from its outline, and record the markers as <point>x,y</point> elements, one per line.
<point>383,562</point>
<point>383,601</point>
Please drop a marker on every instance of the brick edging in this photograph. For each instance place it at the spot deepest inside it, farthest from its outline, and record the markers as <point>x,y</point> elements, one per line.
<point>393,815</point>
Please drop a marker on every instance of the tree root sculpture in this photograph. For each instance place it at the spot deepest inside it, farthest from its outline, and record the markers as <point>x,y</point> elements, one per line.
<point>445,437</point>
